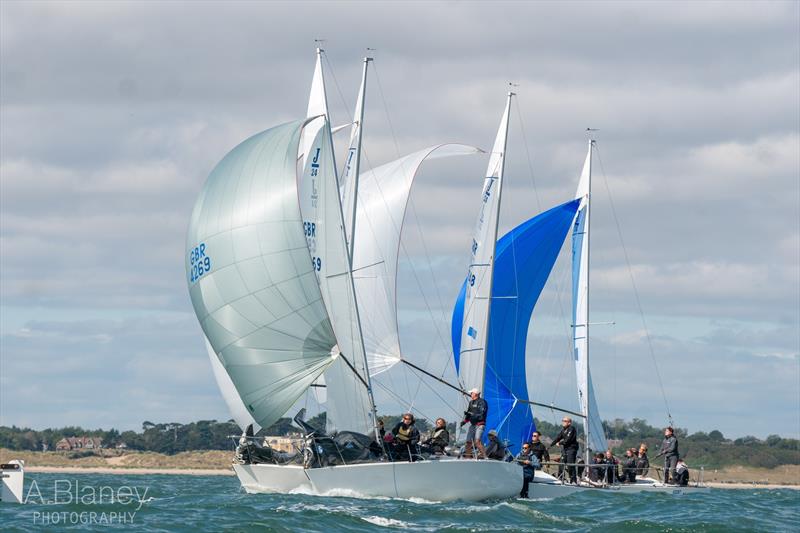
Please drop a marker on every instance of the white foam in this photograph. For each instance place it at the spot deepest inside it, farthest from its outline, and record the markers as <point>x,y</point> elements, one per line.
<point>386,522</point>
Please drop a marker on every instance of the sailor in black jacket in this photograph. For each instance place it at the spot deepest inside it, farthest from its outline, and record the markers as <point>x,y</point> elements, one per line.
<point>539,449</point>
<point>669,449</point>
<point>476,416</point>
<point>567,438</point>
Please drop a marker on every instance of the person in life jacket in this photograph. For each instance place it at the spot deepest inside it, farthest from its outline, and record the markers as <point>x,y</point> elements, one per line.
<point>439,439</point>
<point>406,438</point>
<point>529,463</point>
<point>476,416</point>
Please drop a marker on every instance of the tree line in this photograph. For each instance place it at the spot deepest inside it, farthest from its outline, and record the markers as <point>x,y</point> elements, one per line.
<point>711,449</point>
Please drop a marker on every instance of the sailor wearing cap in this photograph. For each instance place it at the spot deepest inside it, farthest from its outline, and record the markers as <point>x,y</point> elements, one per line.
<point>496,449</point>
<point>475,415</point>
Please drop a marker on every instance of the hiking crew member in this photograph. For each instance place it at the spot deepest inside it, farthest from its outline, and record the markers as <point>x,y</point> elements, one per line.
<point>669,449</point>
<point>567,438</point>
<point>539,449</point>
<point>406,437</point>
<point>597,470</point>
<point>439,439</point>
<point>476,416</point>
<point>612,468</point>
<point>495,450</point>
<point>642,463</point>
<point>529,463</point>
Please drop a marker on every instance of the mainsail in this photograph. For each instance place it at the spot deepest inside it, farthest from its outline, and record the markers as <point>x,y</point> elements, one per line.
<point>348,401</point>
<point>592,424</point>
<point>524,259</point>
<point>250,276</point>
<point>478,299</point>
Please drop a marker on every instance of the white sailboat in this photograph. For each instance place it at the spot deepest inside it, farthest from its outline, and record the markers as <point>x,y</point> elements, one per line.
<point>289,284</point>
<point>493,311</point>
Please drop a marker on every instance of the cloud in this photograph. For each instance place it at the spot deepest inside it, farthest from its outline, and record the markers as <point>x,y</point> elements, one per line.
<point>112,117</point>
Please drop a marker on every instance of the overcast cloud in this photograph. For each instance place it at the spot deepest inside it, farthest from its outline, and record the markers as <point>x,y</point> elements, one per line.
<point>113,114</point>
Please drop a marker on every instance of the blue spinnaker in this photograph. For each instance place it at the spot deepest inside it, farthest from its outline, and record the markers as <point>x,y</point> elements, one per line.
<point>524,259</point>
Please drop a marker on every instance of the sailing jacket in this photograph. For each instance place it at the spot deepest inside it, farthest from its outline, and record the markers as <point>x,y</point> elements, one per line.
<point>439,439</point>
<point>568,437</point>
<point>524,457</point>
<point>496,450</point>
<point>406,434</point>
<point>476,412</point>
<point>669,447</point>
<point>540,451</point>
<point>642,465</point>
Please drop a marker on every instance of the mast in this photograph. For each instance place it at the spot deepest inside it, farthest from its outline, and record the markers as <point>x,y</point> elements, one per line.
<point>359,119</point>
<point>588,267</point>
<point>494,237</point>
<point>366,378</point>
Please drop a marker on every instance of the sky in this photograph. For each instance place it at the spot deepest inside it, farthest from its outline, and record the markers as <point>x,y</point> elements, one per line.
<point>112,115</point>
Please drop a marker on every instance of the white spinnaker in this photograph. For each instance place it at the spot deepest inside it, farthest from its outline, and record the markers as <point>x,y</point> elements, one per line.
<point>477,301</point>
<point>235,405</point>
<point>317,107</point>
<point>250,278</point>
<point>348,404</point>
<point>382,198</point>
<point>592,423</point>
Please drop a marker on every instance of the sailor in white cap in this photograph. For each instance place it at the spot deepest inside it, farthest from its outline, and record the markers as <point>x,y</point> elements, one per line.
<point>476,416</point>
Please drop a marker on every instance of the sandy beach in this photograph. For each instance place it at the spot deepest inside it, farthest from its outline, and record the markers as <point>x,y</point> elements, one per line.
<point>127,471</point>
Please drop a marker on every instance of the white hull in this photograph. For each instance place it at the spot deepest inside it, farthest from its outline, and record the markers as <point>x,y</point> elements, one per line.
<point>545,486</point>
<point>12,479</point>
<point>435,480</point>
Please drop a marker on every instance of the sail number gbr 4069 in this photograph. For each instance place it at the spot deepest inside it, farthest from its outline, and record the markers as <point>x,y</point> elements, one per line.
<point>200,262</point>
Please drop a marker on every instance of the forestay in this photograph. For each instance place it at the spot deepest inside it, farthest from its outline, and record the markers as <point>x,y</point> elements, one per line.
<point>250,276</point>
<point>592,424</point>
<point>382,200</point>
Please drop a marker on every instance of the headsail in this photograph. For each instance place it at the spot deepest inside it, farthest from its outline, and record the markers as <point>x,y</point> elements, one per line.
<point>524,259</point>
<point>592,423</point>
<point>250,278</point>
<point>478,298</point>
<point>382,199</point>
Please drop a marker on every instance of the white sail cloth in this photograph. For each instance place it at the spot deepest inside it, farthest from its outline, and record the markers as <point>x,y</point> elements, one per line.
<point>382,199</point>
<point>592,424</point>
<point>477,302</point>
<point>239,412</point>
<point>250,277</point>
<point>317,107</point>
<point>348,402</point>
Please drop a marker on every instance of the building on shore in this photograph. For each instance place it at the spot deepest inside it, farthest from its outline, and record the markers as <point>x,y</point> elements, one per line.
<point>79,443</point>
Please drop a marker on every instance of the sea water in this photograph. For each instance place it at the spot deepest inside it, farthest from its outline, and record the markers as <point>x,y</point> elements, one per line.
<point>97,502</point>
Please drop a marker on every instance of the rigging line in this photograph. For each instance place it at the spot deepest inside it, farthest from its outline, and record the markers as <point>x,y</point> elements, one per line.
<point>386,110</point>
<point>528,154</point>
<point>405,403</point>
<point>440,380</point>
<point>635,290</point>
<point>336,83</point>
<point>351,367</point>
<point>432,389</point>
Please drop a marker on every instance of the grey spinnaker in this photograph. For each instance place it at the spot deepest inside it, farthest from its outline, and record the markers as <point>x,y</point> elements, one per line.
<point>250,275</point>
